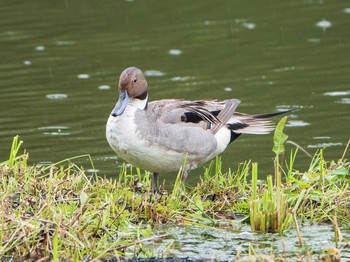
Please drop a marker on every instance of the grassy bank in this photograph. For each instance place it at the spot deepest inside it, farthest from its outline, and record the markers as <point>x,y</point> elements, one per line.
<point>59,211</point>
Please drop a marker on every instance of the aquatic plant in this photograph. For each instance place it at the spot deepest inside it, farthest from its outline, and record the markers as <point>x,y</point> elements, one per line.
<point>319,194</point>
<point>269,211</point>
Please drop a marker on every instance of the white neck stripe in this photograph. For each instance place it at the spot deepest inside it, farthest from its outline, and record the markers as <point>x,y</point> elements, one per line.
<point>141,104</point>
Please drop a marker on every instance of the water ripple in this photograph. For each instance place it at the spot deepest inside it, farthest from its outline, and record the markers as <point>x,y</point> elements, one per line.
<point>297,123</point>
<point>56,96</point>
<point>40,48</point>
<point>174,52</point>
<point>322,137</point>
<point>67,42</point>
<point>181,78</point>
<point>337,93</point>
<point>55,130</point>
<point>153,73</point>
<point>324,24</point>
<point>104,87</point>
<point>345,101</point>
<point>249,26</point>
<point>324,145</point>
<point>83,76</point>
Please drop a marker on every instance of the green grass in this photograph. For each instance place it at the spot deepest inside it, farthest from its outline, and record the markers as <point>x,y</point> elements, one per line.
<point>270,211</point>
<point>61,212</point>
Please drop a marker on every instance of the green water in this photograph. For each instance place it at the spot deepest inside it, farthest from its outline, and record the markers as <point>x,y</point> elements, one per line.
<point>60,61</point>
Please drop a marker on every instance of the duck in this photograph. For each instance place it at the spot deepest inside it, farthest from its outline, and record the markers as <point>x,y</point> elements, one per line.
<point>166,135</point>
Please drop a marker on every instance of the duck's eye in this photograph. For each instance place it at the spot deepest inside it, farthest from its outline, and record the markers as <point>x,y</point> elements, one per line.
<point>135,80</point>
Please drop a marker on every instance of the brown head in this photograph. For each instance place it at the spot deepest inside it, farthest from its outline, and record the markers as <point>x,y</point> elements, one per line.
<point>133,81</point>
<point>132,85</point>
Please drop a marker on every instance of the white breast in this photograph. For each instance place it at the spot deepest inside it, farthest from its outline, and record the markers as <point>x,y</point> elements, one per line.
<point>122,135</point>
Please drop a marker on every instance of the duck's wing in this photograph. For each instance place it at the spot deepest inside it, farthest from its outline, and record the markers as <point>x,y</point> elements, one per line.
<point>197,122</point>
<point>181,126</point>
<point>213,115</point>
<point>208,114</point>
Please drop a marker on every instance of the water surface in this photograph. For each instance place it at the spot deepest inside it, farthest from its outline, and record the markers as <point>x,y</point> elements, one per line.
<point>227,244</point>
<point>60,62</point>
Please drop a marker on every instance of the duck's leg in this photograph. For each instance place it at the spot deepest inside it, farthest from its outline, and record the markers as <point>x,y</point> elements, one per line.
<point>155,182</point>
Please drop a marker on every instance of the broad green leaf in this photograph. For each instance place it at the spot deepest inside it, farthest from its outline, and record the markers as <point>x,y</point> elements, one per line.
<point>303,184</point>
<point>340,171</point>
<point>279,137</point>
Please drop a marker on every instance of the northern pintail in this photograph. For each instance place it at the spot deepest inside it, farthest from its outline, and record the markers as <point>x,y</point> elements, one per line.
<point>158,136</point>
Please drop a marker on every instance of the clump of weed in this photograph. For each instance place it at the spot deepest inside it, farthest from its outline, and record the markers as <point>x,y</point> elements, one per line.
<point>61,212</point>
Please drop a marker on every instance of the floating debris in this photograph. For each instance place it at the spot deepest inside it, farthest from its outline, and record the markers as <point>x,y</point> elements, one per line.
<point>83,76</point>
<point>228,89</point>
<point>174,52</point>
<point>56,96</point>
<point>27,62</point>
<point>153,73</point>
<point>347,10</point>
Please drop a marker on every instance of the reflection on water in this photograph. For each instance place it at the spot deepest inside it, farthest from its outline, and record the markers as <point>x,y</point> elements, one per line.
<point>345,101</point>
<point>60,62</point>
<point>56,96</point>
<point>55,130</point>
<point>337,93</point>
<point>83,76</point>
<point>325,145</point>
<point>324,24</point>
<point>175,52</point>
<point>295,123</point>
<point>27,62</point>
<point>104,87</point>
<point>40,48</point>
<point>153,73</point>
